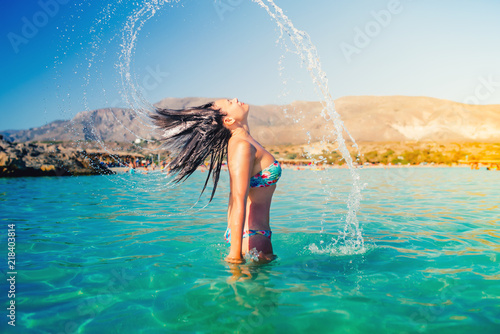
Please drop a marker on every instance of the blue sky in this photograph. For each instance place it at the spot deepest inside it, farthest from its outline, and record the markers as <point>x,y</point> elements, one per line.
<point>69,60</point>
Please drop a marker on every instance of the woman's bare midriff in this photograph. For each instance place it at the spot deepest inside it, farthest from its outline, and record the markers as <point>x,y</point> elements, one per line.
<point>258,208</point>
<point>257,218</point>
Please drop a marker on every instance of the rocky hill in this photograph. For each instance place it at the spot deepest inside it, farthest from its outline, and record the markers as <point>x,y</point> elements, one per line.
<point>368,119</point>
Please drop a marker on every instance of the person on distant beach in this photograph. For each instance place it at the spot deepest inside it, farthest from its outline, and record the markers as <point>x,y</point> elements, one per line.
<point>216,129</point>
<point>131,168</point>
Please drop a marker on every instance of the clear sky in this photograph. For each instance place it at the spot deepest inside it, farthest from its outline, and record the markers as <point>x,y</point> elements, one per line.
<point>61,57</point>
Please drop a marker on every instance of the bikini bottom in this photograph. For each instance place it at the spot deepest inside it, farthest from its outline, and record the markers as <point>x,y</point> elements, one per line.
<point>246,234</point>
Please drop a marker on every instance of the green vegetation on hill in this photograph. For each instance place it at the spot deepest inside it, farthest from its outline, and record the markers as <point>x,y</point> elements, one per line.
<point>413,153</point>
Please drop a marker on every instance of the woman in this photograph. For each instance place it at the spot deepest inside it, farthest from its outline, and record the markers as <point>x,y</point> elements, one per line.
<point>216,129</point>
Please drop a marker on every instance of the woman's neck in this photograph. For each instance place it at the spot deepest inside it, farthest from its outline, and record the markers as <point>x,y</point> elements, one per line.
<point>241,130</point>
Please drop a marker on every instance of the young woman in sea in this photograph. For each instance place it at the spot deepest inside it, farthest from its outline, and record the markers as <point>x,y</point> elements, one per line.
<point>213,131</point>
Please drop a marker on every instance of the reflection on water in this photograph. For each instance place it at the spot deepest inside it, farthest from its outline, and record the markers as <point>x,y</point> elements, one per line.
<point>90,259</point>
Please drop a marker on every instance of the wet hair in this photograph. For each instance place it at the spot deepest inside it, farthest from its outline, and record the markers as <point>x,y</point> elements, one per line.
<point>194,134</point>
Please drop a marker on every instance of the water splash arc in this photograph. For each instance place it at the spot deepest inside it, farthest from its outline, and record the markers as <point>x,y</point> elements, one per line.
<point>351,236</point>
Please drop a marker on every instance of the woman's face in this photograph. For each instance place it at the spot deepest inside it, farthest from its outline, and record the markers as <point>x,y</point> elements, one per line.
<point>233,109</point>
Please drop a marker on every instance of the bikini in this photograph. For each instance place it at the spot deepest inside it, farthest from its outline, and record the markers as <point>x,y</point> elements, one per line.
<point>267,177</point>
<point>246,234</point>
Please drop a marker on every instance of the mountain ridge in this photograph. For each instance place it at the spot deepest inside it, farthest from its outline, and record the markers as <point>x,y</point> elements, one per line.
<point>368,119</point>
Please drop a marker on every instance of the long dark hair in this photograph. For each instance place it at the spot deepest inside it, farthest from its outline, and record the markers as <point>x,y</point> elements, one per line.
<point>194,134</point>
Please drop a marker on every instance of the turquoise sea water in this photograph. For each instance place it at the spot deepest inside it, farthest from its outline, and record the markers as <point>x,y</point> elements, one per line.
<point>102,255</point>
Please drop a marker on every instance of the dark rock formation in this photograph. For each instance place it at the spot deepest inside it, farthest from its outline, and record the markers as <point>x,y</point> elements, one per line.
<point>30,159</point>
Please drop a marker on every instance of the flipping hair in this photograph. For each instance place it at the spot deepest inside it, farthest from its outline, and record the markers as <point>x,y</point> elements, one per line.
<point>194,134</point>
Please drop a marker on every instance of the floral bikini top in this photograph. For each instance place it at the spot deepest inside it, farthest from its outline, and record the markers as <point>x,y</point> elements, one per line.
<point>266,177</point>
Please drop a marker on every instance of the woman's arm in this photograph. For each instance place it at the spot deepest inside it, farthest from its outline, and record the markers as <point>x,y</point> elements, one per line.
<point>241,156</point>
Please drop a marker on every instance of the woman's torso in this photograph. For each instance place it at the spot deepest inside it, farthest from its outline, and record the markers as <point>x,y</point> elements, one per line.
<point>259,198</point>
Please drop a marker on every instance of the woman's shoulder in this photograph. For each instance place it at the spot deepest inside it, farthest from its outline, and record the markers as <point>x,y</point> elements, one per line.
<point>240,143</point>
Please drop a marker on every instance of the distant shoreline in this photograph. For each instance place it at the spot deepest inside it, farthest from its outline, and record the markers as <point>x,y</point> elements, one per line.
<point>141,170</point>
<point>91,158</point>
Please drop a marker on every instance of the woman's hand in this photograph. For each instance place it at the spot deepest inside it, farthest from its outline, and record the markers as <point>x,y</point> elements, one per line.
<point>234,259</point>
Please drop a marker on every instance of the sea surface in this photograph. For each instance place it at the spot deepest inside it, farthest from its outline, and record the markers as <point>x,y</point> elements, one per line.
<point>127,254</point>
